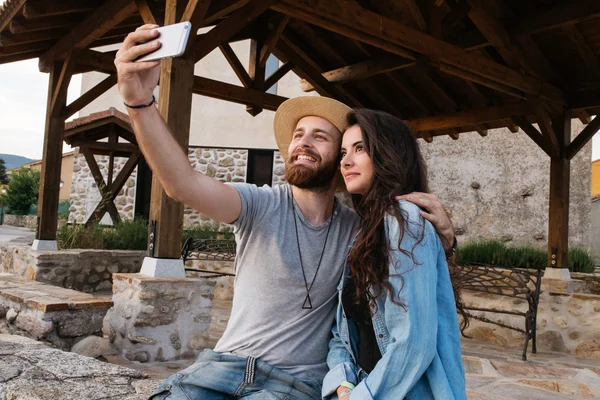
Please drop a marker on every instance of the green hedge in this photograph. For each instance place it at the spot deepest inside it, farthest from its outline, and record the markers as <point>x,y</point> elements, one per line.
<point>126,235</point>
<point>493,252</point>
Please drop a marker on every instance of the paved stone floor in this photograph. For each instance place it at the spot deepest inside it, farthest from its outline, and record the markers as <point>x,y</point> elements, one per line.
<point>493,372</point>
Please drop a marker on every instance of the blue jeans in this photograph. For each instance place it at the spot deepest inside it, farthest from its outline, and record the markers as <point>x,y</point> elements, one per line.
<point>217,376</point>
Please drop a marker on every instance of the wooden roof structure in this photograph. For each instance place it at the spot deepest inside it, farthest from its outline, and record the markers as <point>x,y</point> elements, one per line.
<point>443,66</point>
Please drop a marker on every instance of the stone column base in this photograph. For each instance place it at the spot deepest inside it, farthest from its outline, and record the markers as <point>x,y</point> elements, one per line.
<point>159,319</point>
<point>557,273</point>
<point>163,268</point>
<point>48,245</point>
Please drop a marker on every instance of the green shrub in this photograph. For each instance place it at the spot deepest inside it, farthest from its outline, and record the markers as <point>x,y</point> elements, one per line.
<point>126,235</point>
<point>580,261</point>
<point>22,192</point>
<point>493,252</point>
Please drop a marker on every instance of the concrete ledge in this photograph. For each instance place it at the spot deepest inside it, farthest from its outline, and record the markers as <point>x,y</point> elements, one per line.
<point>49,313</point>
<point>44,245</point>
<point>557,273</point>
<point>163,268</point>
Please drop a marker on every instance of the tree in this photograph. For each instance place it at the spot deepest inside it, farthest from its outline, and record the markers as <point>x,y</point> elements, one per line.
<point>23,189</point>
<point>3,176</point>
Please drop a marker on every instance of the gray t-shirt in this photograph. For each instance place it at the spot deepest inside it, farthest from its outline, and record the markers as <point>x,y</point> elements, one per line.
<point>267,320</point>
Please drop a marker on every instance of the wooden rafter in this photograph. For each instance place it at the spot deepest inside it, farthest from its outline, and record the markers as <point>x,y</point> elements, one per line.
<point>277,75</point>
<point>230,26</point>
<point>236,94</point>
<point>468,117</point>
<point>94,26</point>
<point>353,21</point>
<point>195,12</point>
<point>148,15</point>
<point>256,71</point>
<point>533,133</point>
<point>93,60</point>
<point>9,11</point>
<point>236,64</point>
<point>587,54</point>
<point>221,8</point>
<point>306,69</point>
<point>272,39</point>
<point>417,15</point>
<point>49,8</point>
<point>583,138</point>
<point>558,16</point>
<point>361,70</point>
<point>90,95</point>
<point>544,121</point>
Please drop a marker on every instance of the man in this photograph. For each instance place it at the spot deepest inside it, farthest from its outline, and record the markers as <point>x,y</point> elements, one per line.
<point>292,242</point>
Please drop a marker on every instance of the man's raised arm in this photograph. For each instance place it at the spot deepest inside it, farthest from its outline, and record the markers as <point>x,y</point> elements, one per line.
<point>167,160</point>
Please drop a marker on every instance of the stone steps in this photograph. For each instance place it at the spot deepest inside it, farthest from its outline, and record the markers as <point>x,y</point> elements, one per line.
<point>52,314</point>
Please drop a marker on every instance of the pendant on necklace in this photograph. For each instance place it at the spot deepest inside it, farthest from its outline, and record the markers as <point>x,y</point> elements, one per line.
<point>307,305</point>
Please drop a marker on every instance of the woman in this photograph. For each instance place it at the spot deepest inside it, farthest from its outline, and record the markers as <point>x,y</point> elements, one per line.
<point>396,333</point>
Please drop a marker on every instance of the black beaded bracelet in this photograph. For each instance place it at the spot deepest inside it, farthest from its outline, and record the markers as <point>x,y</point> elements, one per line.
<point>142,105</point>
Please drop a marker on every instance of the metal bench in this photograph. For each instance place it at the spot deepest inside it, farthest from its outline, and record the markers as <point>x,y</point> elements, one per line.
<point>210,250</point>
<point>517,283</point>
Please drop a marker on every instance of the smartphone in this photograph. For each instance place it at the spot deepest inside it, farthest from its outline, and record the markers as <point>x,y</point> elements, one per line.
<point>173,39</point>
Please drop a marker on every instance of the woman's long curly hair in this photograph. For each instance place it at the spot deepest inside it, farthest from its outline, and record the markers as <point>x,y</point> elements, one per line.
<point>398,169</point>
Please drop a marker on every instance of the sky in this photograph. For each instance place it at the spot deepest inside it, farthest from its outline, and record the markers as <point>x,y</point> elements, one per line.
<point>23,92</point>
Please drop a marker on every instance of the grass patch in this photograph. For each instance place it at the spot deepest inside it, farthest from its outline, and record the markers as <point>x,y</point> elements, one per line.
<point>493,252</point>
<point>126,235</point>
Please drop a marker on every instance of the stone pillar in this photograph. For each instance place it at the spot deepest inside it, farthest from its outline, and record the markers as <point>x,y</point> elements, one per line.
<point>159,319</point>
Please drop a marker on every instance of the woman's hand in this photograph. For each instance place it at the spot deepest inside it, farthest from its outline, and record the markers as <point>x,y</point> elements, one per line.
<point>435,214</point>
<point>340,391</point>
<point>137,80</point>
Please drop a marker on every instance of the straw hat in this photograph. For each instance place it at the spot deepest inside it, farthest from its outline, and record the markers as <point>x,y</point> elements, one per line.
<point>293,110</point>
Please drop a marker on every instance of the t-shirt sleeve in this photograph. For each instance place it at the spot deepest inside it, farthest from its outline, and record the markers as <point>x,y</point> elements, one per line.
<point>256,201</point>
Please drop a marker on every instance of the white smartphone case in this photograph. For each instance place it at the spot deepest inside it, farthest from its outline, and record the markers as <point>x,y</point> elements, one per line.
<point>173,39</point>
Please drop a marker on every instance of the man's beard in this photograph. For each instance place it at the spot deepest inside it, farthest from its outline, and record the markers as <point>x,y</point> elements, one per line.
<point>305,177</point>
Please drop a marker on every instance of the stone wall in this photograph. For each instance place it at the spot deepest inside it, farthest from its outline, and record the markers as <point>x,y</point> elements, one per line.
<point>566,322</point>
<point>159,319</point>
<point>226,165</point>
<point>84,191</point>
<point>278,169</point>
<point>497,187</point>
<point>223,284</point>
<point>83,270</point>
<point>25,221</point>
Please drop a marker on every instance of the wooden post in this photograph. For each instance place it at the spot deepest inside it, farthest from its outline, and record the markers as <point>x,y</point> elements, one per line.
<point>60,76</point>
<point>175,105</point>
<point>558,224</point>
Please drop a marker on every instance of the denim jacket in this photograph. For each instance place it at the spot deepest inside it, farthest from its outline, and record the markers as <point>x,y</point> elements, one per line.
<point>419,344</point>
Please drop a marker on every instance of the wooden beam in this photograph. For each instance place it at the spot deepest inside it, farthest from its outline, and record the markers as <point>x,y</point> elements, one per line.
<point>229,27</point>
<point>94,26</point>
<point>277,75</point>
<point>9,11</point>
<point>221,8</point>
<point>236,94</point>
<point>236,64</point>
<point>58,99</point>
<point>417,15</point>
<point>468,118</point>
<point>305,69</point>
<point>195,12</point>
<point>558,16</point>
<point>52,152</point>
<point>256,72</point>
<point>50,8</point>
<point>5,59</point>
<point>106,203</point>
<point>544,121</point>
<point>560,176</point>
<point>272,39</point>
<point>587,54</point>
<point>361,70</point>
<point>454,135</point>
<point>93,60</point>
<point>19,25</point>
<point>583,138</point>
<point>351,20</point>
<point>89,96</point>
<point>461,73</point>
<point>148,16</point>
<point>7,38</point>
<point>533,133</point>
<point>416,97</point>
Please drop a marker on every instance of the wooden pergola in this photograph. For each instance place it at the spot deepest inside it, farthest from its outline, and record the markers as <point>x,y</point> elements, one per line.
<point>444,66</point>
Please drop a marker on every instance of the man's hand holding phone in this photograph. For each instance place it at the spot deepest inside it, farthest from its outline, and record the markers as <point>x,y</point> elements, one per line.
<point>137,80</point>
